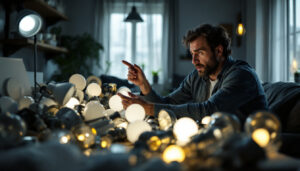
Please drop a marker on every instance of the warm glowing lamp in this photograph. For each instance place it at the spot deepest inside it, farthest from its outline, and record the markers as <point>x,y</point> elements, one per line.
<point>264,128</point>
<point>135,112</point>
<point>72,103</point>
<point>124,90</point>
<point>173,153</point>
<point>184,129</point>
<point>240,30</point>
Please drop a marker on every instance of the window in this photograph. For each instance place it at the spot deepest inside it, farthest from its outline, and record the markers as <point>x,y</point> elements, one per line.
<point>294,35</point>
<point>139,43</point>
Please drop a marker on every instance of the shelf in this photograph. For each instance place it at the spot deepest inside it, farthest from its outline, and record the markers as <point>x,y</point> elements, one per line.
<point>47,12</point>
<point>41,46</point>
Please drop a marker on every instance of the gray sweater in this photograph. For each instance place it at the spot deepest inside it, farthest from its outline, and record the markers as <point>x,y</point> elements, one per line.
<point>238,91</point>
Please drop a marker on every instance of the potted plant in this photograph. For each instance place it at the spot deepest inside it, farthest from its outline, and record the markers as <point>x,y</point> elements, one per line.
<point>83,53</point>
<point>155,76</point>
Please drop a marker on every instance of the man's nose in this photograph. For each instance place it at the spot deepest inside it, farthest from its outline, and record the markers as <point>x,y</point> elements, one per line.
<point>194,59</point>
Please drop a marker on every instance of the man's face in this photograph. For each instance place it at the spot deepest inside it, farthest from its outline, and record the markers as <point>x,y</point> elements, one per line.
<point>204,60</point>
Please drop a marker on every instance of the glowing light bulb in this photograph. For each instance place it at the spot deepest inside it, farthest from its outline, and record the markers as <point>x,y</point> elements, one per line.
<point>64,139</point>
<point>27,23</point>
<point>173,153</point>
<point>72,103</point>
<point>78,80</point>
<point>93,110</point>
<point>264,128</point>
<point>261,136</point>
<point>115,103</point>
<point>135,129</point>
<point>205,120</point>
<point>93,89</point>
<point>294,66</point>
<point>184,129</point>
<point>240,29</point>
<point>124,90</point>
<point>154,143</point>
<point>84,135</point>
<point>135,112</point>
<point>166,119</point>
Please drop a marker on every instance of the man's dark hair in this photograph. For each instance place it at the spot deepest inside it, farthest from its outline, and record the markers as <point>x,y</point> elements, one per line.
<point>214,35</point>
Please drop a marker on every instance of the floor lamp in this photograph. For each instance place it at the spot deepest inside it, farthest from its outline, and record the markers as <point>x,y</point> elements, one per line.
<point>29,23</point>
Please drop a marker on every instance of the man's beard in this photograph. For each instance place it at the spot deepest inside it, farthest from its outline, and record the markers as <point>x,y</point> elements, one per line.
<point>210,68</point>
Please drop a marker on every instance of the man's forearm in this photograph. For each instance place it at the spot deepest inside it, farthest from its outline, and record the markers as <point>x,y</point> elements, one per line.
<point>145,88</point>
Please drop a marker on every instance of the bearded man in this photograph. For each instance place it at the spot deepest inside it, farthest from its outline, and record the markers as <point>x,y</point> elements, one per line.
<point>218,83</point>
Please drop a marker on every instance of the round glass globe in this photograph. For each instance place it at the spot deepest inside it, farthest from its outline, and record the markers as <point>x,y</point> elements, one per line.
<point>115,103</point>
<point>93,110</point>
<point>7,104</point>
<point>264,128</point>
<point>14,88</point>
<point>166,119</point>
<point>135,112</point>
<point>78,80</point>
<point>135,129</point>
<point>93,89</point>
<point>85,136</point>
<point>184,129</point>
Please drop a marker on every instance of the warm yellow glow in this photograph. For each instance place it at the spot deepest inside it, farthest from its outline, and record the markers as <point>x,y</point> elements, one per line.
<point>94,131</point>
<point>184,129</point>
<point>173,153</point>
<point>105,142</point>
<point>64,139</point>
<point>240,29</point>
<point>72,103</point>
<point>206,120</point>
<point>81,137</point>
<point>261,136</point>
<point>294,65</point>
<point>154,143</point>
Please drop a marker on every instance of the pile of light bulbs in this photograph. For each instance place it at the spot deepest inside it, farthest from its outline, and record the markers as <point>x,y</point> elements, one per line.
<point>91,115</point>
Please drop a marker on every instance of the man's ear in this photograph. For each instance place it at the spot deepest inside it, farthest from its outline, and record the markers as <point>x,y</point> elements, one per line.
<point>219,50</point>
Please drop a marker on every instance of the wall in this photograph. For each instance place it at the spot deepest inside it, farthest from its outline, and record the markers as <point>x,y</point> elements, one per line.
<point>195,12</point>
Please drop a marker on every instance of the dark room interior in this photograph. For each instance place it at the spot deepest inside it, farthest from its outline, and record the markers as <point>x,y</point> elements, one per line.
<point>149,85</point>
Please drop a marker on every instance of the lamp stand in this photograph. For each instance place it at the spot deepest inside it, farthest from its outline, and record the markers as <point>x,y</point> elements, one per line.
<point>34,67</point>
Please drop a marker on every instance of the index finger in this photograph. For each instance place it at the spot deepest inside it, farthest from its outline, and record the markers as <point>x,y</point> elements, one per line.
<point>127,63</point>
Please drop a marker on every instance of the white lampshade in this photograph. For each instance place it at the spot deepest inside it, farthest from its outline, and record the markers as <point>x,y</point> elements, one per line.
<point>93,89</point>
<point>109,112</point>
<point>93,110</point>
<point>184,129</point>
<point>72,103</point>
<point>29,23</point>
<point>135,129</point>
<point>115,103</point>
<point>135,112</point>
<point>25,102</point>
<point>78,80</point>
<point>62,92</point>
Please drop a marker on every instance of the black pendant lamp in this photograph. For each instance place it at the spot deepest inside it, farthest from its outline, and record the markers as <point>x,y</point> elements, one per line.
<point>133,16</point>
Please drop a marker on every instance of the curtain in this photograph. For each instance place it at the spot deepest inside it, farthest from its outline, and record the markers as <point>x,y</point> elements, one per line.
<point>269,31</point>
<point>152,47</point>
